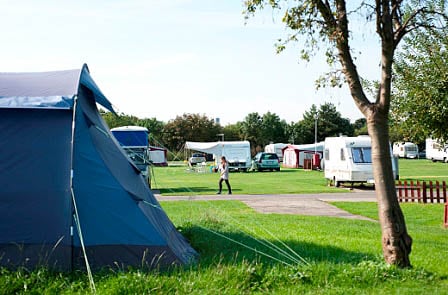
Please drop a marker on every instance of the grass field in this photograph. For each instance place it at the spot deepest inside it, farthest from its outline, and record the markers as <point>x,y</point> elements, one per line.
<point>423,170</point>
<point>245,252</point>
<point>341,256</point>
<point>178,180</point>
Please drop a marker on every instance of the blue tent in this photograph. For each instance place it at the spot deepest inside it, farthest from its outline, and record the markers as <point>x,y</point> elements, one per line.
<point>65,184</point>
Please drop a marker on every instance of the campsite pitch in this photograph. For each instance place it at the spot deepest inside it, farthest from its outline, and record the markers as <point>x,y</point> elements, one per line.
<point>301,204</point>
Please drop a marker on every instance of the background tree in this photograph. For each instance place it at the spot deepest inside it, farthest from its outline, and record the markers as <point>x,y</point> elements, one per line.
<point>328,21</point>
<point>262,130</point>
<point>118,120</point>
<point>299,132</point>
<point>232,132</point>
<point>329,123</point>
<point>420,107</point>
<point>155,128</point>
<point>305,127</point>
<point>292,133</point>
<point>273,129</point>
<point>189,127</point>
<point>251,131</point>
<point>360,127</point>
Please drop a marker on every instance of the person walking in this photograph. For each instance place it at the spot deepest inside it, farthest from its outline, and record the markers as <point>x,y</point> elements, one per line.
<point>224,175</point>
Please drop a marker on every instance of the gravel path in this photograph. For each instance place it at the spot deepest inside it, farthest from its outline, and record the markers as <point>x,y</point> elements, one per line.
<point>301,204</point>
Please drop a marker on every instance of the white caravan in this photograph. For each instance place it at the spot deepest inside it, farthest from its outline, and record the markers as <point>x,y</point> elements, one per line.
<point>349,159</point>
<point>276,148</point>
<point>436,151</point>
<point>405,150</point>
<point>237,153</point>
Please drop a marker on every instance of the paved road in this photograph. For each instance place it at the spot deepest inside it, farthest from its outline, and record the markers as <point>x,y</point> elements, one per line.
<point>301,204</point>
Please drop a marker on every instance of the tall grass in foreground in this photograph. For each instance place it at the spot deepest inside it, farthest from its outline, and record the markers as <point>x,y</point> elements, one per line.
<point>342,256</point>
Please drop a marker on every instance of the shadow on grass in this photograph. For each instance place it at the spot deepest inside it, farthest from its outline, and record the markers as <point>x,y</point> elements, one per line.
<point>198,189</point>
<point>269,171</point>
<point>191,189</point>
<point>217,245</point>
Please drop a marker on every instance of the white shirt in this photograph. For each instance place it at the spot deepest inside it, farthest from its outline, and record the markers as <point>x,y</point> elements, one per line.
<point>224,170</point>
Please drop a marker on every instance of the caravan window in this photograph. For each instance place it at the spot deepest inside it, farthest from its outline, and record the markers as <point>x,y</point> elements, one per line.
<point>362,155</point>
<point>327,154</point>
<point>436,146</point>
<point>342,155</point>
<point>412,148</point>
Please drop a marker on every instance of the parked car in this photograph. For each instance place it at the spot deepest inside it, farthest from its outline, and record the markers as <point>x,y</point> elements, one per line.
<point>266,161</point>
<point>196,158</point>
<point>422,155</point>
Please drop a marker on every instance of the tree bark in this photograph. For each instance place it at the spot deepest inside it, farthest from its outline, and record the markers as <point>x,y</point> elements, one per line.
<point>396,242</point>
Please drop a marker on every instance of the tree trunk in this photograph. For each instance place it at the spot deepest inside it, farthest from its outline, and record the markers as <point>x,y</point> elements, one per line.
<point>395,239</point>
<point>396,242</point>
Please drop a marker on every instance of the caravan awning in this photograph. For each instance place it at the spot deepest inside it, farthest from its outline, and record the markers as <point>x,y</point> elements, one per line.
<point>205,147</point>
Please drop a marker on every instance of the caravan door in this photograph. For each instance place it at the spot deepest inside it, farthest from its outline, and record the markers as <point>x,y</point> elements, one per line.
<point>336,157</point>
<point>361,164</point>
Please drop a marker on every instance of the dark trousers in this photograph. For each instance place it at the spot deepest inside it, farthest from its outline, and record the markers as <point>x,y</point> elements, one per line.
<point>227,183</point>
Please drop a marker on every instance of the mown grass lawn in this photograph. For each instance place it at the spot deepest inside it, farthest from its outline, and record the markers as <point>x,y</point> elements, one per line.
<point>245,252</point>
<point>179,180</point>
<point>422,169</point>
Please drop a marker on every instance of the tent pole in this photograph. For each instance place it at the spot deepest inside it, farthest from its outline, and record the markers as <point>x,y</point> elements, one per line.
<point>75,208</point>
<point>72,143</point>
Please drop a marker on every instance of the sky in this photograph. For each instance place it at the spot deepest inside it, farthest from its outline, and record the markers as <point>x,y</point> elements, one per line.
<point>165,58</point>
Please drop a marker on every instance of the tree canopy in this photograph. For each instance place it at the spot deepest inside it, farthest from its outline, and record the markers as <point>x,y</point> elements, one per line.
<point>329,123</point>
<point>420,107</point>
<point>189,127</point>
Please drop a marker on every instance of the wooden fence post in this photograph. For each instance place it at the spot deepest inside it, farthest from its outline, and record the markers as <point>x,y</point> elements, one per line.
<point>399,191</point>
<point>419,196</point>
<point>405,190</point>
<point>412,191</point>
<point>445,198</point>
<point>425,199</point>
<point>431,192</point>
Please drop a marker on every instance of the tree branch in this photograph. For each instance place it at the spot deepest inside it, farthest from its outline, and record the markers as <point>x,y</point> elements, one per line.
<point>325,11</point>
<point>406,26</point>
<point>411,24</point>
<point>378,18</point>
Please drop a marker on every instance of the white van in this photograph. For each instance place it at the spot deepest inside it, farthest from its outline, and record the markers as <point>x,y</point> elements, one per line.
<point>405,150</point>
<point>349,159</point>
<point>436,151</point>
